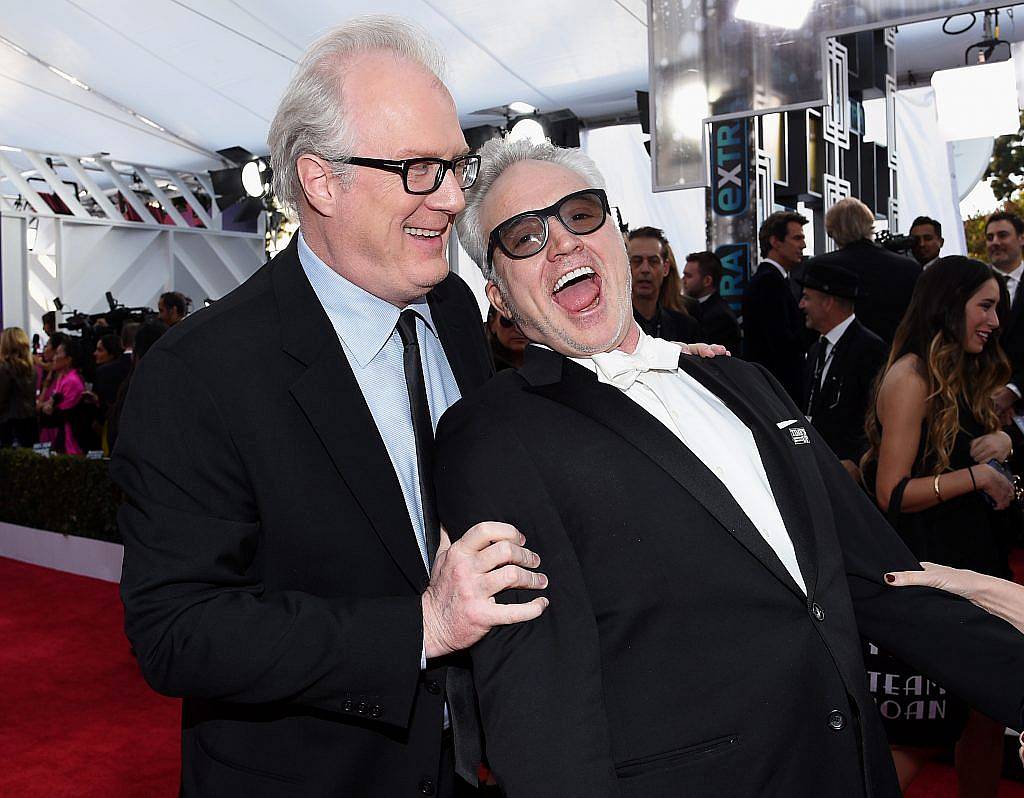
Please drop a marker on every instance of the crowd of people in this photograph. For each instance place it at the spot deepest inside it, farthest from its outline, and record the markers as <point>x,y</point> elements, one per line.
<point>68,396</point>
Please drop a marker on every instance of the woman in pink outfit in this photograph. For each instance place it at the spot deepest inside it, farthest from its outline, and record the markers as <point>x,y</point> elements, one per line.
<point>64,393</point>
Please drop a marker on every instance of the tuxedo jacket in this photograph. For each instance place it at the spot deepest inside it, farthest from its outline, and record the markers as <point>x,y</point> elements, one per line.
<point>718,323</point>
<point>1011,334</point>
<point>670,325</point>
<point>678,656</point>
<point>271,573</point>
<point>773,328</point>
<point>847,391</point>
<point>885,280</point>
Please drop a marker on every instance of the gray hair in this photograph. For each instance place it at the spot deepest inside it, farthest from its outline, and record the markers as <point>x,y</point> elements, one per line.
<point>311,119</point>
<point>849,220</point>
<point>497,155</point>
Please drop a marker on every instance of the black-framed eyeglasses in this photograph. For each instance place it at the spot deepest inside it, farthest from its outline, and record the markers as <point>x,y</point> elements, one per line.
<point>526,234</point>
<point>425,175</point>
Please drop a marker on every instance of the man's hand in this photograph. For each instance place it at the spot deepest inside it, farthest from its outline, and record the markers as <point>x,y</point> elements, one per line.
<point>704,350</point>
<point>993,446</point>
<point>459,606</point>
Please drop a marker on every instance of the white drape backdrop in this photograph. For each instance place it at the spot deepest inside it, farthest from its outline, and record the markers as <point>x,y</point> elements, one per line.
<point>926,183</point>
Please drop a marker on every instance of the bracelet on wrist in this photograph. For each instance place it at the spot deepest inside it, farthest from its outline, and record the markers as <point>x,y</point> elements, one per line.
<point>970,470</point>
<point>935,487</point>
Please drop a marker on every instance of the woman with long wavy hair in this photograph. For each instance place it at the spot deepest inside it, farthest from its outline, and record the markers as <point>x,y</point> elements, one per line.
<point>935,444</point>
<point>17,390</point>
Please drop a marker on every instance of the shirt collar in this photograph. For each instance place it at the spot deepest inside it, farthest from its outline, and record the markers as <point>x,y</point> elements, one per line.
<point>363,322</point>
<point>1017,273</point>
<point>836,332</point>
<point>778,266</point>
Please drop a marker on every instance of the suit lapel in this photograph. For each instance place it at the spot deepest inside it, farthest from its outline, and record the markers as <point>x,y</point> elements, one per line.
<point>1016,308</point>
<point>332,401</point>
<point>453,336</point>
<point>572,385</point>
<point>781,455</point>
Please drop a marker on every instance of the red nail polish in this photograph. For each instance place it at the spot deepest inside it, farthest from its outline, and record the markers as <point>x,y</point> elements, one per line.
<point>890,578</point>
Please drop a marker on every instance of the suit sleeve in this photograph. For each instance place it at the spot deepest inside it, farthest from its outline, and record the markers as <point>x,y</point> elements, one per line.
<point>539,682</point>
<point>958,645</point>
<point>196,611</point>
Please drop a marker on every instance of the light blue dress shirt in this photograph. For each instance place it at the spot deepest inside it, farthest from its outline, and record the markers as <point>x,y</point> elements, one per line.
<point>365,325</point>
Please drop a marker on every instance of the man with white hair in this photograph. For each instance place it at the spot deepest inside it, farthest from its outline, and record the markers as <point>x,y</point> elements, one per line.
<point>711,562</point>
<point>886,279</point>
<point>284,571</point>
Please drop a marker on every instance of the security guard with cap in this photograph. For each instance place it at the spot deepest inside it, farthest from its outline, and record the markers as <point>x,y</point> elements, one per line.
<point>841,366</point>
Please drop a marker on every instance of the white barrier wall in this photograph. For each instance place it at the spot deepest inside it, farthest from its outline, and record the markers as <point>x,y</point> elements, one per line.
<point>79,260</point>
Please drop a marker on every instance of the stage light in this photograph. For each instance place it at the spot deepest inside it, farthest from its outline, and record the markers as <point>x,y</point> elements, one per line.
<point>977,101</point>
<point>256,178</point>
<point>528,129</point>
<point>519,108</point>
<point>787,14</point>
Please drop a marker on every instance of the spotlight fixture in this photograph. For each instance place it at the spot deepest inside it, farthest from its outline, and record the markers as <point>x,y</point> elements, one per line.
<point>961,116</point>
<point>519,108</point>
<point>256,177</point>
<point>527,128</point>
<point>789,14</point>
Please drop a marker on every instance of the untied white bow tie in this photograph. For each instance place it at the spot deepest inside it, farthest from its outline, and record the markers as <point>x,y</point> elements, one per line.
<point>652,354</point>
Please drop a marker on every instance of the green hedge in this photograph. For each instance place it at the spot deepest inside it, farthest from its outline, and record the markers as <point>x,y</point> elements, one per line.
<point>70,495</point>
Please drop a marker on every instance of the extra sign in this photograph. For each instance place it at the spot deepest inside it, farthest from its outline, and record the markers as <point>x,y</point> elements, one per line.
<point>729,167</point>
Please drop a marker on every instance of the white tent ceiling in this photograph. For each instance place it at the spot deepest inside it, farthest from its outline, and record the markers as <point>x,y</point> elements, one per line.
<point>210,72</point>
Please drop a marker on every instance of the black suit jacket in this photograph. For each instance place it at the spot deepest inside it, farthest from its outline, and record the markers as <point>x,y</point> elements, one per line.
<point>718,323</point>
<point>108,379</point>
<point>886,282</point>
<point>773,328</point>
<point>271,573</point>
<point>1011,333</point>
<point>678,656</point>
<point>844,397</point>
<point>670,325</point>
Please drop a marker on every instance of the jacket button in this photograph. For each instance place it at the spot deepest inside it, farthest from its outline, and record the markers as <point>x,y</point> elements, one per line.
<point>347,705</point>
<point>836,719</point>
<point>362,708</point>
<point>427,787</point>
<point>817,612</point>
<point>376,711</point>
<point>433,687</point>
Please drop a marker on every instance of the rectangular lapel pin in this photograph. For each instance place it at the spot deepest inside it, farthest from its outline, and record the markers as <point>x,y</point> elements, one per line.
<point>799,435</point>
<point>784,424</point>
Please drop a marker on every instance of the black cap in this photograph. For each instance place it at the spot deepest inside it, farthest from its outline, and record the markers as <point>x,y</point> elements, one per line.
<point>829,279</point>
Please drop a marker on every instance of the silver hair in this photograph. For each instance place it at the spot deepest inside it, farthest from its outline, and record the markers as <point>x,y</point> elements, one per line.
<point>311,117</point>
<point>496,156</point>
<point>849,220</point>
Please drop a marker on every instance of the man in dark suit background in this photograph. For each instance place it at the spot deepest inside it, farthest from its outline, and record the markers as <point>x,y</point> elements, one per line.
<point>649,262</point>
<point>283,568</point>
<point>1004,240</point>
<point>842,365</point>
<point>885,279</point>
<point>773,327</point>
<point>702,275</point>
<point>712,565</point>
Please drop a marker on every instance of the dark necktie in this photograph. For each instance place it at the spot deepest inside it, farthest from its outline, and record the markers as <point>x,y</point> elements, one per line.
<point>819,366</point>
<point>459,693</point>
<point>423,429</point>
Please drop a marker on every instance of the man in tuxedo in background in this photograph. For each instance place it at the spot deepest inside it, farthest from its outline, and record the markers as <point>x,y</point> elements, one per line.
<point>712,565</point>
<point>927,235</point>
<point>841,366</point>
<point>702,276</point>
<point>1004,240</point>
<point>885,279</point>
<point>648,260</point>
<point>773,327</point>
<point>284,571</point>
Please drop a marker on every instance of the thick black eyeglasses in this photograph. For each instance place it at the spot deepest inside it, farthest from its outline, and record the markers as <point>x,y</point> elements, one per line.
<point>526,234</point>
<point>425,175</point>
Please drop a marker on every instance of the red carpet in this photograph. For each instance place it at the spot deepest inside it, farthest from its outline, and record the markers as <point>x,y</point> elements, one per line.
<point>76,717</point>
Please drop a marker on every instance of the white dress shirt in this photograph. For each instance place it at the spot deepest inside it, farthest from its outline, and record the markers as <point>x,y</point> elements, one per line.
<point>1013,280</point>
<point>831,339</point>
<point>709,429</point>
<point>778,266</point>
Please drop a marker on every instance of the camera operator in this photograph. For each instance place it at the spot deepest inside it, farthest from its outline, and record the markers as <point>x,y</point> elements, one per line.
<point>886,279</point>
<point>927,235</point>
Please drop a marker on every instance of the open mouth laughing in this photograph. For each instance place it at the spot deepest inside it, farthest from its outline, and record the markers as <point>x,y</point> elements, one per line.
<point>577,290</point>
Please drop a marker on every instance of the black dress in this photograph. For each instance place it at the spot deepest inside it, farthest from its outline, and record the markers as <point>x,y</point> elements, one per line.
<point>965,532</point>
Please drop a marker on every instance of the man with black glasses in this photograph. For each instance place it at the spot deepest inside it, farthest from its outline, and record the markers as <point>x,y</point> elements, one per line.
<point>712,565</point>
<point>284,570</point>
